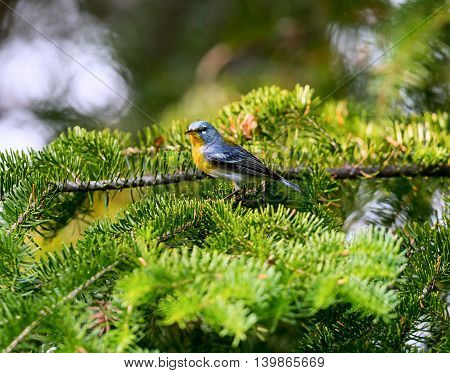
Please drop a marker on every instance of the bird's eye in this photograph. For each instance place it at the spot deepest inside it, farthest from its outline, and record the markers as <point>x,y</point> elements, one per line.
<point>203,129</point>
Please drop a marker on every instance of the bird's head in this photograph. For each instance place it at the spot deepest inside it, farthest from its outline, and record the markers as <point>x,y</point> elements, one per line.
<point>203,132</point>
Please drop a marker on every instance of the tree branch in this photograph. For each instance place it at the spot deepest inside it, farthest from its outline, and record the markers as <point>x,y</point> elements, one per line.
<point>148,180</point>
<point>411,170</point>
<point>345,172</point>
<point>32,205</point>
<point>45,311</point>
<point>42,314</point>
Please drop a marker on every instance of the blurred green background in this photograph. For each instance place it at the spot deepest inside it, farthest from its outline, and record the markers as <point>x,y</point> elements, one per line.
<point>185,59</point>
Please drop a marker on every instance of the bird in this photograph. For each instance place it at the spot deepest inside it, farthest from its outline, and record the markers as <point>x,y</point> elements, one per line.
<point>221,158</point>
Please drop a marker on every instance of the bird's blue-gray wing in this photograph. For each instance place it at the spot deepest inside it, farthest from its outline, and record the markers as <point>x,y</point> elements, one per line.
<point>237,159</point>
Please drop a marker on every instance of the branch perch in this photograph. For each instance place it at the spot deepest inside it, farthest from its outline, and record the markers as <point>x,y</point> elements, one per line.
<point>345,172</point>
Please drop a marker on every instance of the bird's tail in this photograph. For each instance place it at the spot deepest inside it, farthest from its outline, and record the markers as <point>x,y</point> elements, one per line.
<point>290,185</point>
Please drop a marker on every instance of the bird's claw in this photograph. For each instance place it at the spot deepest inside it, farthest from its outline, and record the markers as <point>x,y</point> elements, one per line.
<point>233,193</point>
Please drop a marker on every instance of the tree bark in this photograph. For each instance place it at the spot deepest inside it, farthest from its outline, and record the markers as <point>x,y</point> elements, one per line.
<point>345,172</point>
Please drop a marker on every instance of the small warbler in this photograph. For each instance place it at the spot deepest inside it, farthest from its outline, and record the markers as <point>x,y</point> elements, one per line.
<point>221,158</point>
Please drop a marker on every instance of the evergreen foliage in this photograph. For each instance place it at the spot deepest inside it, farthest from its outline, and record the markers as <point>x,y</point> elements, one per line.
<point>182,273</point>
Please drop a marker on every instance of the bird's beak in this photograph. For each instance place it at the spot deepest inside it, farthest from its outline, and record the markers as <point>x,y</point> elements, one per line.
<point>189,132</point>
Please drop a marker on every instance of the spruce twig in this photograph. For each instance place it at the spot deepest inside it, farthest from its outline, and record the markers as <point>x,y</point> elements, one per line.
<point>33,204</point>
<point>46,312</point>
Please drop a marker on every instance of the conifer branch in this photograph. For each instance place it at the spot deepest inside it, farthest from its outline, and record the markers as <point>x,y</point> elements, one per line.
<point>137,182</point>
<point>46,312</point>
<point>182,228</point>
<point>351,172</point>
<point>34,204</point>
<point>345,172</point>
<point>132,150</point>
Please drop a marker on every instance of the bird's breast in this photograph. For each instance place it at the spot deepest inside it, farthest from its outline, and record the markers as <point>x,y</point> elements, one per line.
<point>200,160</point>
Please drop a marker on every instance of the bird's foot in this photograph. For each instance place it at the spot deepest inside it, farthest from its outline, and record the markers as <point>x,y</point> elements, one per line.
<point>236,193</point>
<point>233,193</point>
<point>263,193</point>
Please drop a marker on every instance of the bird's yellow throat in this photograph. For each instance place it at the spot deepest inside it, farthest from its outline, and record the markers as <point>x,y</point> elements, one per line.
<point>197,153</point>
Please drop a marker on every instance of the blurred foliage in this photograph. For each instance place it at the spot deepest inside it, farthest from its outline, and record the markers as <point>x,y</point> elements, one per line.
<point>415,74</point>
<point>187,59</point>
<point>190,47</point>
